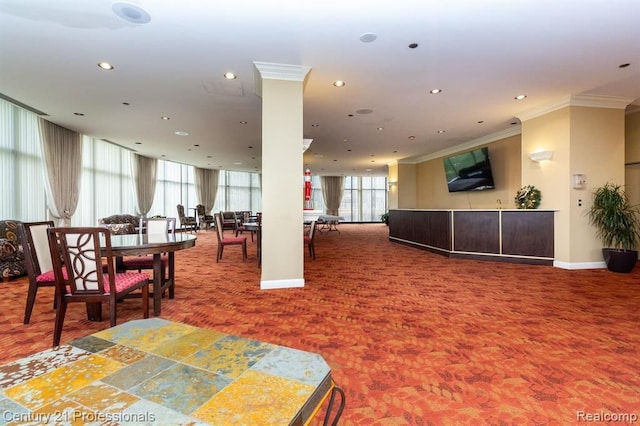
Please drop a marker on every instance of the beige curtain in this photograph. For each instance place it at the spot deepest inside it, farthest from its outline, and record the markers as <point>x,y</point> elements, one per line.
<point>145,172</point>
<point>62,154</point>
<point>206,181</point>
<point>332,192</point>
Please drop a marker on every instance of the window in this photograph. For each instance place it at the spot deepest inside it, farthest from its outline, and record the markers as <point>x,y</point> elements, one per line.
<point>21,168</point>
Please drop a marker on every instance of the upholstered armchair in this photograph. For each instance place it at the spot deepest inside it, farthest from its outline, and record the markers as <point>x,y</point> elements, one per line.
<point>120,223</point>
<point>11,254</point>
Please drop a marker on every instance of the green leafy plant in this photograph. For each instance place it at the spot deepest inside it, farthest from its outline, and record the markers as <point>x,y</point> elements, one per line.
<point>615,218</point>
<point>528,197</point>
<point>384,217</point>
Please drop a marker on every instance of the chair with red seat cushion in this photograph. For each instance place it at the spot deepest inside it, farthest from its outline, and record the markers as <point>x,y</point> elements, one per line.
<point>308,240</point>
<point>222,241</point>
<point>83,279</point>
<point>34,241</point>
<point>155,227</point>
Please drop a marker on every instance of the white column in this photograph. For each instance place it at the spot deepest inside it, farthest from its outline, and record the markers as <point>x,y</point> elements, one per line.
<point>281,89</point>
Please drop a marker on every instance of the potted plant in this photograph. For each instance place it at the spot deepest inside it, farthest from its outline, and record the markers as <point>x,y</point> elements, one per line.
<point>384,217</point>
<point>617,225</point>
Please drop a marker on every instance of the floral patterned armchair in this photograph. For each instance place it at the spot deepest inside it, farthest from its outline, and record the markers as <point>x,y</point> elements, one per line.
<point>11,255</point>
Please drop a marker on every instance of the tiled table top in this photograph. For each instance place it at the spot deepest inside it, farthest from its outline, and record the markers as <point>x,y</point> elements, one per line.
<point>155,371</point>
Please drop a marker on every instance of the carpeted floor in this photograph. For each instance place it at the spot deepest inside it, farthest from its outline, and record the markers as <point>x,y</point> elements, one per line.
<point>412,337</point>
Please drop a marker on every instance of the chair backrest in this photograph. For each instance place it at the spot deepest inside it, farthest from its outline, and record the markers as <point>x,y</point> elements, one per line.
<point>219,231</point>
<point>35,243</point>
<point>200,210</point>
<point>162,225</point>
<point>81,252</point>
<point>181,214</point>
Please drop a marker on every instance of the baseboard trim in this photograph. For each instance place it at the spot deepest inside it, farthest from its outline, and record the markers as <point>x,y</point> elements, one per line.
<point>579,265</point>
<point>275,284</point>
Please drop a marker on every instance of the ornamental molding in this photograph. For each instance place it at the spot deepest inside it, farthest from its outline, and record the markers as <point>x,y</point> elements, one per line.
<point>272,71</point>
<point>591,101</point>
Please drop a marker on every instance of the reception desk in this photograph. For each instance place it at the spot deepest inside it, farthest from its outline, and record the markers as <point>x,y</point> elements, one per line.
<point>522,236</point>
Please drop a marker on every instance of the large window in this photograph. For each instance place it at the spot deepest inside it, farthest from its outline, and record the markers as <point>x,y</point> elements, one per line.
<point>107,185</point>
<point>238,191</point>
<point>365,198</point>
<point>21,178</point>
<point>175,185</point>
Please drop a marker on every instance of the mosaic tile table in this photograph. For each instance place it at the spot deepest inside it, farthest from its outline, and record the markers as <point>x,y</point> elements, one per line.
<point>156,371</point>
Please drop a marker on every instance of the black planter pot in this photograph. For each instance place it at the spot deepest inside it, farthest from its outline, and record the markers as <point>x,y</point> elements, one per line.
<point>620,260</point>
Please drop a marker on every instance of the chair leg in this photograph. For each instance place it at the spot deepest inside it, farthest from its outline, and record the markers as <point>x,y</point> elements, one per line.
<point>220,248</point>
<point>57,327</point>
<point>145,300</point>
<point>112,310</point>
<point>31,300</point>
<point>244,250</point>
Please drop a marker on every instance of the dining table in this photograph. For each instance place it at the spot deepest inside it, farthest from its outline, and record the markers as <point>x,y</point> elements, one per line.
<point>155,245</point>
<point>160,372</point>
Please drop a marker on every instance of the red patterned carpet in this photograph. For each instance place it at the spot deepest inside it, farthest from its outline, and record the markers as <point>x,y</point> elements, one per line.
<point>412,337</point>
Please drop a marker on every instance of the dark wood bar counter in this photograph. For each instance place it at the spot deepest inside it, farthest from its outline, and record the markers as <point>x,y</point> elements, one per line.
<point>522,236</point>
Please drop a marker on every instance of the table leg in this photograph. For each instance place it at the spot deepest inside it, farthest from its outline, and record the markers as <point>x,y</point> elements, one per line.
<point>172,279</point>
<point>94,311</point>
<point>158,278</point>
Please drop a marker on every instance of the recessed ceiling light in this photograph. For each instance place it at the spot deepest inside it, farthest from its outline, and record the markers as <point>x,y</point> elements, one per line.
<point>164,117</point>
<point>345,140</point>
<point>126,103</point>
<point>480,121</point>
<point>250,146</point>
<point>243,122</point>
<point>138,143</point>
<point>230,76</point>
<point>413,45</point>
<point>412,138</point>
<point>368,37</point>
<point>339,83</point>
<point>131,12</point>
<point>380,128</point>
<point>520,97</point>
<point>623,65</point>
<point>238,163</point>
<point>79,114</point>
<point>364,111</point>
<point>367,170</point>
<point>441,131</point>
<point>315,125</point>
<point>105,65</point>
<point>348,150</point>
<point>435,91</point>
<point>195,144</point>
<point>180,133</point>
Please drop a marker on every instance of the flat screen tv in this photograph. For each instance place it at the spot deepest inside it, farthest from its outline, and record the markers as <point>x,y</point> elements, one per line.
<point>469,171</point>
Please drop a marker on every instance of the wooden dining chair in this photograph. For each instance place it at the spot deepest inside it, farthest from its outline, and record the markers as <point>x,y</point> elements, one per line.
<point>83,279</point>
<point>308,239</point>
<point>37,257</point>
<point>228,241</point>
<point>155,226</point>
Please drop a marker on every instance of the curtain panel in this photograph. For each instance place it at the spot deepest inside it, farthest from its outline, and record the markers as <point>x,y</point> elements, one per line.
<point>206,181</point>
<point>332,192</point>
<point>62,155</point>
<point>145,175</point>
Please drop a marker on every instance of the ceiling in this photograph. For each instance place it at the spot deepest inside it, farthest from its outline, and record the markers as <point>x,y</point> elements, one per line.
<point>481,54</point>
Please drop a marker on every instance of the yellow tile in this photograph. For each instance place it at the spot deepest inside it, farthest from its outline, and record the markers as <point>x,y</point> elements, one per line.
<point>123,354</point>
<point>146,339</point>
<point>65,411</point>
<point>103,398</point>
<point>187,345</point>
<point>41,390</point>
<point>256,398</point>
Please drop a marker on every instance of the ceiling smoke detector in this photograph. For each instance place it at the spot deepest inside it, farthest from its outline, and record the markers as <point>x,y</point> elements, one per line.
<point>131,12</point>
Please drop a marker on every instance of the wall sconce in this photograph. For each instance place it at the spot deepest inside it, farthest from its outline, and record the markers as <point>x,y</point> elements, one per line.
<point>541,156</point>
<point>392,184</point>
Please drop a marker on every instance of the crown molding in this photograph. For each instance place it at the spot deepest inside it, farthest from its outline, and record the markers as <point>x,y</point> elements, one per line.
<point>591,101</point>
<point>503,134</point>
<point>271,71</point>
